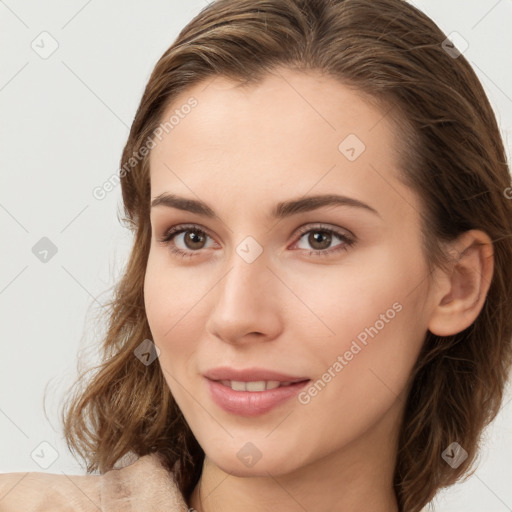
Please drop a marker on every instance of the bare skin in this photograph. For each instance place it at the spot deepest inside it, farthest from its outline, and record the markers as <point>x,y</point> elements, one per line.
<point>242,151</point>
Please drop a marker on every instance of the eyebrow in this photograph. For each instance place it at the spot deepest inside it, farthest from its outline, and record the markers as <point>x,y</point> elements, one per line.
<point>280,211</point>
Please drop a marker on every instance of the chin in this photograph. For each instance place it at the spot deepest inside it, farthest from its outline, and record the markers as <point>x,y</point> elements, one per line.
<point>250,461</point>
<point>260,469</point>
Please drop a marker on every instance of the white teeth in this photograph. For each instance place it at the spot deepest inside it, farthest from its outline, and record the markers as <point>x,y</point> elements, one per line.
<point>237,386</point>
<point>254,386</point>
<point>260,385</point>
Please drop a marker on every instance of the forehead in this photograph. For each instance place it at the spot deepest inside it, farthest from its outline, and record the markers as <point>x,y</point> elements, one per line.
<point>295,130</point>
<point>284,103</point>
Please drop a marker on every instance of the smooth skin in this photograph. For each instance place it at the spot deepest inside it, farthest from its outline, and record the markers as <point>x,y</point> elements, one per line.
<point>242,151</point>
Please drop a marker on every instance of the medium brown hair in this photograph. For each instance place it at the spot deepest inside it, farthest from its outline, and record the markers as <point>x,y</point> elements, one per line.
<point>452,156</point>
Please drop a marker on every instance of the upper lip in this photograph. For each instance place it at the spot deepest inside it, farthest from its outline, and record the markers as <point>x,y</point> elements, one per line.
<point>250,375</point>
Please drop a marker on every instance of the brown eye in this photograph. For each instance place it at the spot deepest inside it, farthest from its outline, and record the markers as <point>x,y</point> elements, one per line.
<point>187,241</point>
<point>323,241</point>
<point>319,240</point>
<point>194,239</point>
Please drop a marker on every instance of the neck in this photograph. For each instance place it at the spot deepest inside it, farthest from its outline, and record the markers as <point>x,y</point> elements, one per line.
<point>357,477</point>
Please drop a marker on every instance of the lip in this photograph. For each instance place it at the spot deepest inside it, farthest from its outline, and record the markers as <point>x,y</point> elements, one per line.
<point>251,403</point>
<point>250,375</point>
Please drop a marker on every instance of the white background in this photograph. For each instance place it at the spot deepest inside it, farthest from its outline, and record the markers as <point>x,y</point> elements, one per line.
<point>64,121</point>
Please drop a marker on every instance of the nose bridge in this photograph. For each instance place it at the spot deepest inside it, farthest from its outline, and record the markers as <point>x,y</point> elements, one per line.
<point>245,302</point>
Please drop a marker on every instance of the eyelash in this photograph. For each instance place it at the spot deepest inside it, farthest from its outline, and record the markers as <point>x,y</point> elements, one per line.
<point>174,231</point>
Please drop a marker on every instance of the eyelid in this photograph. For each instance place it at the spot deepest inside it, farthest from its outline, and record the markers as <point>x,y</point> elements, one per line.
<point>346,237</point>
<point>327,227</point>
<point>180,228</point>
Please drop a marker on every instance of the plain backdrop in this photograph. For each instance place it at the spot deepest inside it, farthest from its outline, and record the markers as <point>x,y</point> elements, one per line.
<point>64,120</point>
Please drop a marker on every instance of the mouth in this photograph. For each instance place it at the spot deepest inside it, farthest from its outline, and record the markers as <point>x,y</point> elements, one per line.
<point>225,374</point>
<point>251,392</point>
<point>258,385</point>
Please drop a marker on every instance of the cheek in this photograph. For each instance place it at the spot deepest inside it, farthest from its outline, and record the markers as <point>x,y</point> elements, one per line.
<point>365,374</point>
<point>174,303</point>
<point>372,315</point>
<point>164,309</point>
<point>379,330</point>
<point>339,302</point>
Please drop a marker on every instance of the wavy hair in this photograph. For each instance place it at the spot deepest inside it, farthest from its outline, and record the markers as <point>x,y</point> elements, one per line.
<point>451,155</point>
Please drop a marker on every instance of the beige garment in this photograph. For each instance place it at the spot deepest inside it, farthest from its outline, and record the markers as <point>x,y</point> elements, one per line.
<point>143,486</point>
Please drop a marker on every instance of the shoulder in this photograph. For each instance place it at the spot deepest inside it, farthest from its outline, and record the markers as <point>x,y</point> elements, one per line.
<point>144,485</point>
<point>31,492</point>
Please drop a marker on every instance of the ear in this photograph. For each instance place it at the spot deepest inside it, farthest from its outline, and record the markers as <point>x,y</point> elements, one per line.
<point>461,290</point>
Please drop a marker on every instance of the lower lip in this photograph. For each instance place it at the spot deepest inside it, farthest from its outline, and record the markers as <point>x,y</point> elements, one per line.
<point>251,403</point>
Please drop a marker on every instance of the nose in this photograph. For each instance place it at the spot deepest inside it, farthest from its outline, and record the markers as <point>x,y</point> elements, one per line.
<point>247,307</point>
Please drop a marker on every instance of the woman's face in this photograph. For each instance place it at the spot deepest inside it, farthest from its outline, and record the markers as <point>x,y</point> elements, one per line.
<point>271,280</point>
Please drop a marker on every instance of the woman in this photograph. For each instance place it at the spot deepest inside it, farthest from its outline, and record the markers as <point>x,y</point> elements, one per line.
<point>316,312</point>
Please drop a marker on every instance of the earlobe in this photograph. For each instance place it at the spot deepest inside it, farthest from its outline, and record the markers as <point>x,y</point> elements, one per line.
<point>462,290</point>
